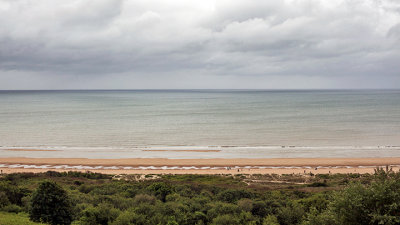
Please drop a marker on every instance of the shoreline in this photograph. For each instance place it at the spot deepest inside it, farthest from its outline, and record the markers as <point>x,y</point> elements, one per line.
<point>311,162</point>
<point>199,166</point>
<point>30,150</point>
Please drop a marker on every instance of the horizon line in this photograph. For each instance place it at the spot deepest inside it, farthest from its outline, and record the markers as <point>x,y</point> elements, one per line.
<point>204,89</point>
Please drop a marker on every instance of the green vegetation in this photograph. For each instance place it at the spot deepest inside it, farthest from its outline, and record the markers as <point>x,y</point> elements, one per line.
<point>15,219</point>
<point>90,198</point>
<point>50,204</point>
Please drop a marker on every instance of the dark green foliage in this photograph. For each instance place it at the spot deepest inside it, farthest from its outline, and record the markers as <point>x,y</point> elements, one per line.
<point>88,175</point>
<point>316,217</point>
<point>18,176</point>
<point>318,201</point>
<point>318,184</point>
<point>103,214</point>
<point>50,204</point>
<point>12,208</point>
<point>206,199</point>
<point>378,203</point>
<point>130,217</point>
<point>233,195</point>
<point>246,204</point>
<point>161,190</point>
<point>3,199</point>
<point>292,213</point>
<point>13,193</point>
<point>264,208</point>
<point>375,203</point>
<point>144,198</point>
<point>225,220</point>
<point>270,220</point>
<point>85,188</point>
<point>78,183</point>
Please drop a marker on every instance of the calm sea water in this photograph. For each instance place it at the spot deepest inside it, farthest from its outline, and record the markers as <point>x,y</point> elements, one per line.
<point>239,123</point>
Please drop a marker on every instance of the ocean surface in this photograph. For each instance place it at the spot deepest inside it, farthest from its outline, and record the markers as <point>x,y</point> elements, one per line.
<point>231,123</point>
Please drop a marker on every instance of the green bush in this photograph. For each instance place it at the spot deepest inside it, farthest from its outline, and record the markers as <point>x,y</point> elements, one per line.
<point>290,214</point>
<point>144,198</point>
<point>16,219</point>
<point>245,204</point>
<point>232,196</point>
<point>3,200</point>
<point>103,214</point>
<point>226,220</point>
<point>316,217</point>
<point>318,184</point>
<point>270,220</point>
<point>13,193</point>
<point>50,204</point>
<point>161,190</point>
<point>374,204</point>
<point>12,208</point>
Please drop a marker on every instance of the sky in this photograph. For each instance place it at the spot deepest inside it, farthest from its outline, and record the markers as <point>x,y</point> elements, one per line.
<point>184,44</point>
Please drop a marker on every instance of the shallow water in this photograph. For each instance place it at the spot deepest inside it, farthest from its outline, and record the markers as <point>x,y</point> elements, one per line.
<point>252,124</point>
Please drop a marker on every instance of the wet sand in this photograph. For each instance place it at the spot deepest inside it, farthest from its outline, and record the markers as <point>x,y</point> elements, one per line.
<point>30,150</point>
<point>205,166</point>
<point>181,150</point>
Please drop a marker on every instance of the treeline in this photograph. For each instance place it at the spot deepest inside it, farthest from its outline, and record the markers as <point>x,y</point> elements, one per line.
<point>90,198</point>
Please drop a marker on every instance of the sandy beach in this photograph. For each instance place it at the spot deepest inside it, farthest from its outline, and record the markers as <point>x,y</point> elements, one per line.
<point>199,166</point>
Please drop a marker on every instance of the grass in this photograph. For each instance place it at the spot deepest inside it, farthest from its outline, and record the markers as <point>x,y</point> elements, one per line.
<point>15,219</point>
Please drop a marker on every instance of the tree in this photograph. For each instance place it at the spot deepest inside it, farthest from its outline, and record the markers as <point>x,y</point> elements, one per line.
<point>103,214</point>
<point>377,203</point>
<point>50,204</point>
<point>225,220</point>
<point>161,190</point>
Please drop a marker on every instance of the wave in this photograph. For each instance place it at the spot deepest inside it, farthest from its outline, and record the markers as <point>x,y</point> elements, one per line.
<point>85,167</point>
<point>197,148</point>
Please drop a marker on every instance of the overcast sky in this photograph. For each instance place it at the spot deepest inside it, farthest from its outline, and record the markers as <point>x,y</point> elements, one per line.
<point>139,44</point>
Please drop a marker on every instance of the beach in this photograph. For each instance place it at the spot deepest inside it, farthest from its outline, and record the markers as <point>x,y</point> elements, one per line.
<point>199,166</point>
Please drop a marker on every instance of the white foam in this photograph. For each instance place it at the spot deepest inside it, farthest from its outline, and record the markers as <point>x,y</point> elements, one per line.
<point>189,167</point>
<point>111,168</point>
<point>16,166</point>
<point>85,167</point>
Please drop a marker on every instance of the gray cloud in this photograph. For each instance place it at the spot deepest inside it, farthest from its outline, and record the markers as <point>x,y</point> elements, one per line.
<point>199,44</point>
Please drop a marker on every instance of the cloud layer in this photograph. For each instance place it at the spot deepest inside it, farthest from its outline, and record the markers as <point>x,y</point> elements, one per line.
<point>199,44</point>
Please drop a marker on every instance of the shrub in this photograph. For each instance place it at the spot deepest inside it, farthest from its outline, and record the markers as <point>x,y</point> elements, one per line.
<point>292,213</point>
<point>232,196</point>
<point>225,220</point>
<point>262,209</point>
<point>270,220</point>
<point>130,217</point>
<point>50,204</point>
<point>12,208</point>
<point>103,214</point>
<point>245,204</point>
<point>3,200</point>
<point>12,192</point>
<point>376,204</point>
<point>161,190</point>
<point>318,184</point>
<point>144,198</point>
<point>315,217</point>
<point>85,188</point>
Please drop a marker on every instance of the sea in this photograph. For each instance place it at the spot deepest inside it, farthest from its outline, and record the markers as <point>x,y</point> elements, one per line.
<point>200,123</point>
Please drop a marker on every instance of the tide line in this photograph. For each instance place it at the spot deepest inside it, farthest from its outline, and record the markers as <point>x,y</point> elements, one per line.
<point>85,167</point>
